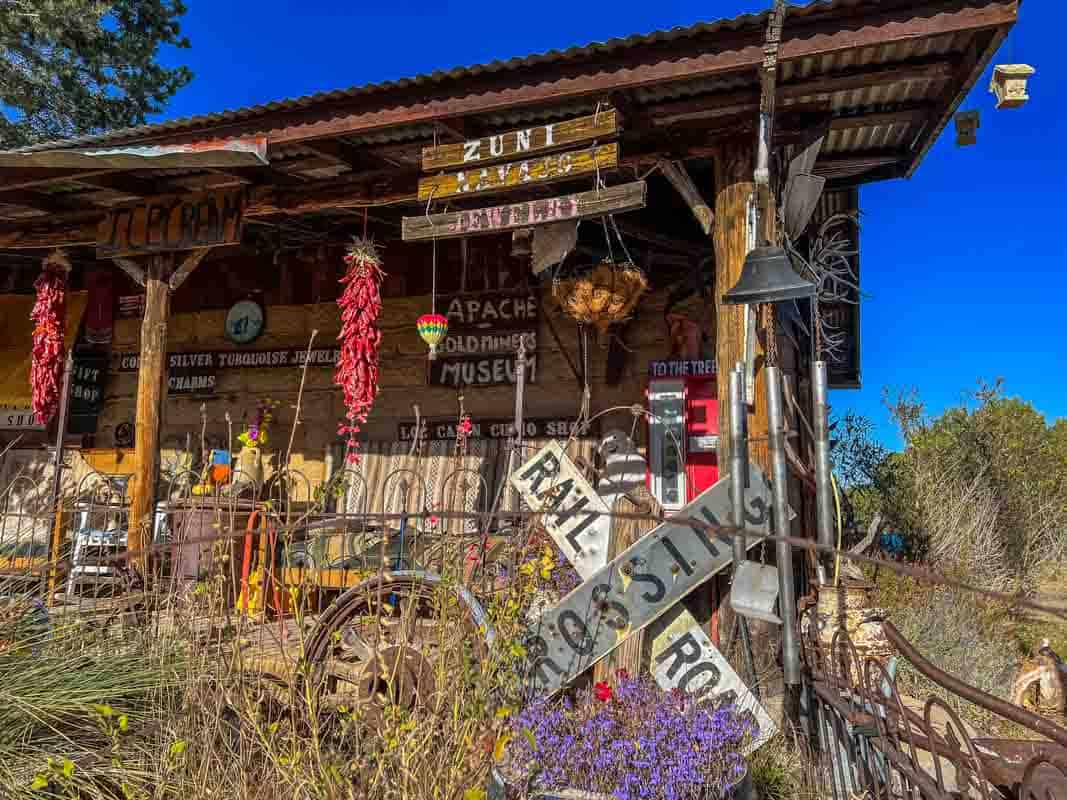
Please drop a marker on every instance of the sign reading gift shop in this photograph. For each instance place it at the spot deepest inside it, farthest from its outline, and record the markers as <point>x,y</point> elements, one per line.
<point>484,331</point>
<point>86,391</point>
<point>165,224</point>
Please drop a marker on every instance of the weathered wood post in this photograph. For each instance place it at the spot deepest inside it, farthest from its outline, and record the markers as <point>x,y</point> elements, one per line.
<point>735,202</point>
<point>151,392</point>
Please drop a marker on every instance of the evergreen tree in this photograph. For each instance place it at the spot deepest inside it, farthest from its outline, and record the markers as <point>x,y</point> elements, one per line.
<point>70,67</point>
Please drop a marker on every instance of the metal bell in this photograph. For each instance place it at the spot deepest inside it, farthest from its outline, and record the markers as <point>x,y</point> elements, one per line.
<point>768,277</point>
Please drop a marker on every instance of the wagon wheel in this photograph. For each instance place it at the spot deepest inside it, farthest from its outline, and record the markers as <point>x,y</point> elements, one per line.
<point>396,638</point>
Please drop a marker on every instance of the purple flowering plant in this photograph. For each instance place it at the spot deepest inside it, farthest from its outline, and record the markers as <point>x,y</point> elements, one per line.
<point>632,741</point>
<point>256,435</point>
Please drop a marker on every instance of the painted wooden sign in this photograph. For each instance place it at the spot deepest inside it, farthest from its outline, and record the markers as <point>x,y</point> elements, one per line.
<point>489,370</point>
<point>703,368</point>
<point>165,224</point>
<point>515,174</point>
<point>533,140</point>
<point>641,584</point>
<point>489,311</point>
<point>575,516</point>
<point>290,357</point>
<point>537,428</point>
<point>19,419</point>
<point>582,205</point>
<point>684,658</point>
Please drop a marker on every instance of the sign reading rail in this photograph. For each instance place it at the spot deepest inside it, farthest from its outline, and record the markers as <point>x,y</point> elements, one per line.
<point>164,224</point>
<point>533,140</point>
<point>530,213</point>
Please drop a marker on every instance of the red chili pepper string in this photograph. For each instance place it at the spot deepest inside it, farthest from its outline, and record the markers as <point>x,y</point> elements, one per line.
<point>49,315</point>
<point>360,337</point>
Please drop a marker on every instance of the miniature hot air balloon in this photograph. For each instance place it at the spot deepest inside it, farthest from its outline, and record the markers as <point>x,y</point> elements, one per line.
<point>432,329</point>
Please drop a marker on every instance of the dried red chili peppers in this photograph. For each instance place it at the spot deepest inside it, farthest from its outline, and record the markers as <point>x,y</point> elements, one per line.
<point>360,337</point>
<point>49,316</point>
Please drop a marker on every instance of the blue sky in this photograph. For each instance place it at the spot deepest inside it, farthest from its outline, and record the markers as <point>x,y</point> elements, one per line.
<point>964,263</point>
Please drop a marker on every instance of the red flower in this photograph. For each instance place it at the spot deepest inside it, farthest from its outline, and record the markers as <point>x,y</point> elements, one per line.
<point>603,692</point>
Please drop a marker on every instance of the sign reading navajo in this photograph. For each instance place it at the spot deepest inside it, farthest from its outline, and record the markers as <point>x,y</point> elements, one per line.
<point>640,584</point>
<point>241,359</point>
<point>164,224</point>
<point>536,139</point>
<point>515,174</point>
<point>496,219</point>
<point>484,331</point>
<point>538,428</point>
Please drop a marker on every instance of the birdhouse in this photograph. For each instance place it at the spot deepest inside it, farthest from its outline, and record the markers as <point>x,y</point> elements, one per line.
<point>966,127</point>
<point>1009,84</point>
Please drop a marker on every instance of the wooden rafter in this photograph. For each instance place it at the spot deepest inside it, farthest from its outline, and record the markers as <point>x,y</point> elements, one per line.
<point>131,268</point>
<point>185,269</point>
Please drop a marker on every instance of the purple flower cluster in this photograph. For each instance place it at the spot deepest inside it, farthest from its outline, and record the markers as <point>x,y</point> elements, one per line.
<point>640,744</point>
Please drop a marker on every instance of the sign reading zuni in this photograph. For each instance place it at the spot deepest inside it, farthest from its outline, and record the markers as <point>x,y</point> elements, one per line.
<point>172,223</point>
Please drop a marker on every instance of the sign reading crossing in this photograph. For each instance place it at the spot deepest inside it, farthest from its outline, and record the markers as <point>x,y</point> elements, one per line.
<point>640,584</point>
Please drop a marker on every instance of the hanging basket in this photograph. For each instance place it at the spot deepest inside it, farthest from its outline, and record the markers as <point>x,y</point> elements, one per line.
<point>605,296</point>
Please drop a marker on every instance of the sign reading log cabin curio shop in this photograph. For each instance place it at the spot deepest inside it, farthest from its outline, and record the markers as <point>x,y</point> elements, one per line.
<point>164,224</point>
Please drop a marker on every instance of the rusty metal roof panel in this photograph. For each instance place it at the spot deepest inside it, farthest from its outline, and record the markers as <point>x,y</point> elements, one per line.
<point>744,21</point>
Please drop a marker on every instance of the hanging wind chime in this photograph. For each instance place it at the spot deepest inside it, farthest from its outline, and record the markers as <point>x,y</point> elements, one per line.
<point>49,316</point>
<point>360,337</point>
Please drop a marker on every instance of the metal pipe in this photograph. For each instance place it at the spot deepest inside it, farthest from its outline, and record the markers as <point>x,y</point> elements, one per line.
<point>515,456</point>
<point>786,587</point>
<point>738,479</point>
<point>57,459</point>
<point>738,453</point>
<point>824,499</point>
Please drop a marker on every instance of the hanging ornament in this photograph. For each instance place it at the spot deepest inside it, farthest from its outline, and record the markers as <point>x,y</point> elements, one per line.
<point>360,337</point>
<point>49,316</point>
<point>432,329</point>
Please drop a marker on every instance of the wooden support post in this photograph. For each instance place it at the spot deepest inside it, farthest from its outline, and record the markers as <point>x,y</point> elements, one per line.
<point>735,191</point>
<point>151,394</point>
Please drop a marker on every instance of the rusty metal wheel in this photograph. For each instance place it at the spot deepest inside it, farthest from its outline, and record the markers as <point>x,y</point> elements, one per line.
<point>389,641</point>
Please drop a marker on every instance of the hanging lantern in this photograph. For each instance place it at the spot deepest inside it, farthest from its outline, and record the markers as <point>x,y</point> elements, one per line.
<point>432,329</point>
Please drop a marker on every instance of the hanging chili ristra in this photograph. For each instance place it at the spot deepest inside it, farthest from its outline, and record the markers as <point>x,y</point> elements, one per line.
<point>49,316</point>
<point>360,337</point>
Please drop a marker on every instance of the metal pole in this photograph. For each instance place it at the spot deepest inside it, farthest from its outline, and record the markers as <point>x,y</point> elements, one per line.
<point>786,587</point>
<point>57,465</point>
<point>738,479</point>
<point>824,500</point>
<point>515,456</point>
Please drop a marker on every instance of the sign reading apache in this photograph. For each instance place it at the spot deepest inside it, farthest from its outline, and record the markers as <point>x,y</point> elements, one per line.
<point>484,331</point>
<point>165,224</point>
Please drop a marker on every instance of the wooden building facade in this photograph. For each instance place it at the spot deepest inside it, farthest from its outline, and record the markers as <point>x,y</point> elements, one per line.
<point>175,227</point>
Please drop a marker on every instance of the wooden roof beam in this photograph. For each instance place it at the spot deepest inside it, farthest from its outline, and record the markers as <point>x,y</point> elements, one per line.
<point>38,201</point>
<point>916,112</point>
<point>12,178</point>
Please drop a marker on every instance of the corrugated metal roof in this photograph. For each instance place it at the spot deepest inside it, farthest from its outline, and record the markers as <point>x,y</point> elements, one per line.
<point>744,21</point>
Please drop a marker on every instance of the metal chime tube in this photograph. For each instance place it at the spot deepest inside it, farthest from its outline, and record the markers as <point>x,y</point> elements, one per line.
<point>824,499</point>
<point>515,457</point>
<point>57,468</point>
<point>738,457</point>
<point>786,586</point>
